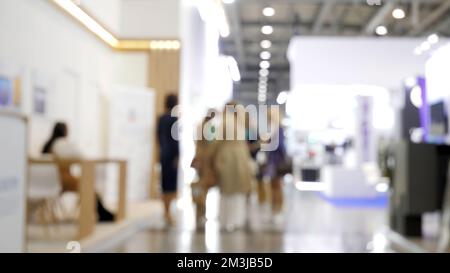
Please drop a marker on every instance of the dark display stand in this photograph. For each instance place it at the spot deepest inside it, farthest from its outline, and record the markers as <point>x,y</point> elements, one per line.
<point>419,183</point>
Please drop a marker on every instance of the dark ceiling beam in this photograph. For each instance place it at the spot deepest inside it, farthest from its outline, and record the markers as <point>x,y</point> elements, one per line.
<point>431,19</point>
<point>378,18</point>
<point>323,13</point>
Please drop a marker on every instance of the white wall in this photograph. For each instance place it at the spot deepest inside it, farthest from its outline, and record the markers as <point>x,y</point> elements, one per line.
<point>75,67</point>
<point>132,68</point>
<point>372,61</point>
<point>150,18</point>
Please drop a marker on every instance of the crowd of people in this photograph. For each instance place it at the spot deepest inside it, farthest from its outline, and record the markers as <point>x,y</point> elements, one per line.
<point>229,158</point>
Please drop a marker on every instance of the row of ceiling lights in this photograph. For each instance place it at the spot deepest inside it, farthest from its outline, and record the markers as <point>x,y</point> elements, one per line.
<point>398,14</point>
<point>265,56</point>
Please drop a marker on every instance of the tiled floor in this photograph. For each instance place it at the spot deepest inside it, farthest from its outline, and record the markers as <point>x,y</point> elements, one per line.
<point>310,224</point>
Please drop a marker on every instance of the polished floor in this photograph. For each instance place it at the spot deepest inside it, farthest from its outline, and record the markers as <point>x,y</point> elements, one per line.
<point>309,224</point>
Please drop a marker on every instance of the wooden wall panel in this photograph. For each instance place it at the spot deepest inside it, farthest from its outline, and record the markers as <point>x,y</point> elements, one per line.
<point>164,79</point>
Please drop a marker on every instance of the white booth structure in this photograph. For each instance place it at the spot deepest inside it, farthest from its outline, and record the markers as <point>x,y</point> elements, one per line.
<point>13,169</point>
<point>338,83</point>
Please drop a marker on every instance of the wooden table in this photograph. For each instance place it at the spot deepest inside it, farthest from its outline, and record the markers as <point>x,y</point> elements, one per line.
<point>87,217</point>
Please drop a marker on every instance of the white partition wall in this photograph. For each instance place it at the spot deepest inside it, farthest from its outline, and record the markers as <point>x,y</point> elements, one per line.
<point>13,166</point>
<point>205,79</point>
<point>130,127</point>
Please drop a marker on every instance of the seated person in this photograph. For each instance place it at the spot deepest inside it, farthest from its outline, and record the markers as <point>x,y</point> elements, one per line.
<point>59,146</point>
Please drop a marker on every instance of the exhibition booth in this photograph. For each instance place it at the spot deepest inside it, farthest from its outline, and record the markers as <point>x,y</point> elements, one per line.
<point>362,127</point>
<point>341,105</point>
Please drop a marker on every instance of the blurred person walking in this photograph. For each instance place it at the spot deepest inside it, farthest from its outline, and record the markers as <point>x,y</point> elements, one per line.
<point>233,165</point>
<point>203,164</point>
<point>169,155</point>
<point>278,163</point>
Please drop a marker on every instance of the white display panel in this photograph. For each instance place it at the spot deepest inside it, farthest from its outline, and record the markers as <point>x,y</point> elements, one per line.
<point>13,164</point>
<point>131,122</point>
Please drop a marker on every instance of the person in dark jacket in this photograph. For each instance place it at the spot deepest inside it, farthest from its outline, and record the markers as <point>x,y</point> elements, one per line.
<point>169,154</point>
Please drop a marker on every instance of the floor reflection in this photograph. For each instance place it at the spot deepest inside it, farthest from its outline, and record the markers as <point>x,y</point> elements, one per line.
<point>310,224</point>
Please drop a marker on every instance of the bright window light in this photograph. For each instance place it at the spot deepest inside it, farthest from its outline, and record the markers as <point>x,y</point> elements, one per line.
<point>268,11</point>
<point>267,30</point>
<point>264,64</point>
<point>266,44</point>
<point>398,13</point>
<point>381,30</point>
<point>265,55</point>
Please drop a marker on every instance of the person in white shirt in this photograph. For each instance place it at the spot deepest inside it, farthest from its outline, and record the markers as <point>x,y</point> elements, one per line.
<point>59,146</point>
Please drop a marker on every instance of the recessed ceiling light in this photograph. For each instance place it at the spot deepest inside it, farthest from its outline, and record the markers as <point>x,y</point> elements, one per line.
<point>264,72</point>
<point>264,64</point>
<point>398,13</point>
<point>433,39</point>
<point>267,30</point>
<point>265,55</point>
<point>269,11</point>
<point>282,97</point>
<point>228,1</point>
<point>266,44</point>
<point>381,30</point>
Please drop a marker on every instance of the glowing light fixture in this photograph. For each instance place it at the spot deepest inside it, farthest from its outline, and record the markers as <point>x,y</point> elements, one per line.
<point>282,97</point>
<point>228,1</point>
<point>264,64</point>
<point>76,11</point>
<point>381,30</point>
<point>268,11</point>
<point>265,55</point>
<point>264,72</point>
<point>234,69</point>
<point>433,39</point>
<point>266,44</point>
<point>398,13</point>
<point>87,21</point>
<point>416,96</point>
<point>267,30</point>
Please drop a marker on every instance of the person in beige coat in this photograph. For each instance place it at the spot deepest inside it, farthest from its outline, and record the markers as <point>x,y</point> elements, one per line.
<point>233,166</point>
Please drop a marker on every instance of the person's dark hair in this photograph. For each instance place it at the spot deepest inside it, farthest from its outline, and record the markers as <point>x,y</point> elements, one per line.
<point>59,131</point>
<point>171,101</point>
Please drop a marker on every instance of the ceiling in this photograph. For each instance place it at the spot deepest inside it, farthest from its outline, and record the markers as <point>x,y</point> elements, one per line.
<point>316,18</point>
